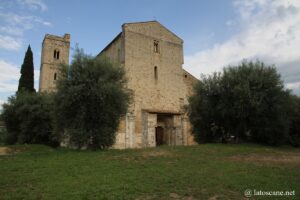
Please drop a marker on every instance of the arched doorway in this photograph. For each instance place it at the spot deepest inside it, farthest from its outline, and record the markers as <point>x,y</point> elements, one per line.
<point>159,135</point>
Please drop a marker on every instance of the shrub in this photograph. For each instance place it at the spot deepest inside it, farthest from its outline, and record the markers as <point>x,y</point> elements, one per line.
<point>28,119</point>
<point>294,132</point>
<point>247,102</point>
<point>91,98</point>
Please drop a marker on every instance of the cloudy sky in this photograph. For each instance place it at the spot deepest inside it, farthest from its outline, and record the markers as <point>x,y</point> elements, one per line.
<point>215,33</point>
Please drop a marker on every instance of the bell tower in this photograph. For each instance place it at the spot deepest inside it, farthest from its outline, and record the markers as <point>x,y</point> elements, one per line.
<point>55,51</point>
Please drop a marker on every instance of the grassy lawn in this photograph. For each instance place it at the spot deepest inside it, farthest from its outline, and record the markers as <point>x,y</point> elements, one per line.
<point>210,171</point>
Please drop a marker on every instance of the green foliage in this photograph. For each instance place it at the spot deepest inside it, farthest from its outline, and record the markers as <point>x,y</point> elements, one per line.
<point>203,109</point>
<point>248,102</point>
<point>3,132</point>
<point>294,135</point>
<point>28,118</point>
<point>90,100</point>
<point>26,81</point>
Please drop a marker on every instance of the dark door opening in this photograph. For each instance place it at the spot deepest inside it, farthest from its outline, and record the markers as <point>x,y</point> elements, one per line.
<point>159,135</point>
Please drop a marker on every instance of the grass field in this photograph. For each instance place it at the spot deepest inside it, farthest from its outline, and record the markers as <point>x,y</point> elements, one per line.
<point>210,171</point>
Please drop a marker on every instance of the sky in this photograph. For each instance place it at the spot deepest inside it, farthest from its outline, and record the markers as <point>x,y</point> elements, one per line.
<point>215,33</point>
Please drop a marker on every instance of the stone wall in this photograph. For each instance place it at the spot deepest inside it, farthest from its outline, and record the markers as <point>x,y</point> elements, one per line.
<point>115,50</point>
<point>159,83</point>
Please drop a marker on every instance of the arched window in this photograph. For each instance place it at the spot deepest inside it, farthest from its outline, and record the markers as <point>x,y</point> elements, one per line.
<point>155,73</point>
<point>55,76</point>
<point>56,54</point>
<point>156,47</point>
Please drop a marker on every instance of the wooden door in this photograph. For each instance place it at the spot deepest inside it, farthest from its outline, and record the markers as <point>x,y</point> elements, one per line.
<point>159,134</point>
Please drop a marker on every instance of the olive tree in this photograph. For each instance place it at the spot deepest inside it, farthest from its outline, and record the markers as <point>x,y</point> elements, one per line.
<point>248,102</point>
<point>90,100</point>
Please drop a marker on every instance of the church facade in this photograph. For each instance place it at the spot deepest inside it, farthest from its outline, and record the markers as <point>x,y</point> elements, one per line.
<point>152,57</point>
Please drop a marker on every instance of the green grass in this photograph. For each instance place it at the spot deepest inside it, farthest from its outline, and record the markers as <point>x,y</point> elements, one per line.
<point>196,172</point>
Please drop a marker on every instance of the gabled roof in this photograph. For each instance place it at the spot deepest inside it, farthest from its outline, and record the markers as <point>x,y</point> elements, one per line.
<point>145,22</point>
<point>119,35</point>
<point>190,75</point>
<point>154,21</point>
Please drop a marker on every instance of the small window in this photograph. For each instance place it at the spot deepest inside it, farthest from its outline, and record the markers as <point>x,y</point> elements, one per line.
<point>55,76</point>
<point>155,73</point>
<point>56,54</point>
<point>181,103</point>
<point>185,76</point>
<point>156,46</point>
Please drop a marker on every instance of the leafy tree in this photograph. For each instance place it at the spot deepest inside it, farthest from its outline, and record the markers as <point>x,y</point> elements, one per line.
<point>294,132</point>
<point>90,100</point>
<point>26,81</point>
<point>3,132</point>
<point>28,119</point>
<point>204,111</point>
<point>11,121</point>
<point>248,102</point>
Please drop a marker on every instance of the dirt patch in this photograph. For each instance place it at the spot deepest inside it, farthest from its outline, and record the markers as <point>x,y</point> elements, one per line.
<point>157,153</point>
<point>143,155</point>
<point>177,196</point>
<point>216,197</point>
<point>174,195</point>
<point>6,151</point>
<point>146,198</point>
<point>290,158</point>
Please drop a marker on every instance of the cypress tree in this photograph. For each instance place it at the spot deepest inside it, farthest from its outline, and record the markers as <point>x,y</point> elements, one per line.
<point>26,81</point>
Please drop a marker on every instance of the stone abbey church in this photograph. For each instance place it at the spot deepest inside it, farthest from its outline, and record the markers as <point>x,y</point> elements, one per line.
<point>152,57</point>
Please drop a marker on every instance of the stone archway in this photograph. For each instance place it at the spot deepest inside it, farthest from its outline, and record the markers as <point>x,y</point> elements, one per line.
<point>162,128</point>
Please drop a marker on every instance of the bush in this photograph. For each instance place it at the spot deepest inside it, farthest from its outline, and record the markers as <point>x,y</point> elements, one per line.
<point>28,119</point>
<point>3,132</point>
<point>91,98</point>
<point>203,110</point>
<point>294,132</point>
<point>247,102</point>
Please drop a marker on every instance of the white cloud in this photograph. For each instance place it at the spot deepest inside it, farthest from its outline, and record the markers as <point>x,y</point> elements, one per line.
<point>9,77</point>
<point>294,85</point>
<point>270,32</point>
<point>25,22</point>
<point>9,43</point>
<point>8,87</point>
<point>11,30</point>
<point>1,103</point>
<point>34,4</point>
<point>13,27</point>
